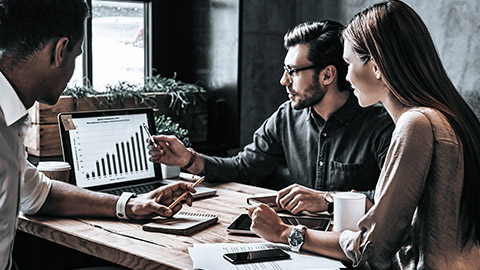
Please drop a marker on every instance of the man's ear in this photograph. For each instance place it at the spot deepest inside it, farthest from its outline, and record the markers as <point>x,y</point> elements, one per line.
<point>328,74</point>
<point>59,52</point>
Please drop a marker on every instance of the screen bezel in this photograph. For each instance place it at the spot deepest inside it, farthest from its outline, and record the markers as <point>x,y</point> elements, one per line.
<point>67,149</point>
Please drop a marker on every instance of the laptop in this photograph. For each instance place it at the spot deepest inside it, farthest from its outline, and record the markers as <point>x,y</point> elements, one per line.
<point>107,151</point>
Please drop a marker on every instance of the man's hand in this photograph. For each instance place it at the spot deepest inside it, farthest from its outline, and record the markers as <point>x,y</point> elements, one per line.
<point>267,224</point>
<point>156,202</point>
<point>170,151</point>
<point>296,198</point>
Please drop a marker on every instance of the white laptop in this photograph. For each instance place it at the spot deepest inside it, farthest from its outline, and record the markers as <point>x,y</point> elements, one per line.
<point>107,151</point>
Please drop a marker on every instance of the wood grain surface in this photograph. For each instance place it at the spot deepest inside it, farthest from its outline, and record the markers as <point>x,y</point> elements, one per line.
<point>126,244</point>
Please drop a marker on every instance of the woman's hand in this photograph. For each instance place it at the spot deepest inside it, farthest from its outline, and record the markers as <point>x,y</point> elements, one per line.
<point>267,224</point>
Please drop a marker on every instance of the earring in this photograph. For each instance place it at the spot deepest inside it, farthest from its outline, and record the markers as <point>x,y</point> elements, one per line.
<point>378,76</point>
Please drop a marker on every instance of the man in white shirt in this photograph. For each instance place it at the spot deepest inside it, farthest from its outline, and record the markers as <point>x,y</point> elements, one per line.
<point>39,41</point>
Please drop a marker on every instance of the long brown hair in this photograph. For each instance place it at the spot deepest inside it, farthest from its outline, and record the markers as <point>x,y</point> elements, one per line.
<point>395,36</point>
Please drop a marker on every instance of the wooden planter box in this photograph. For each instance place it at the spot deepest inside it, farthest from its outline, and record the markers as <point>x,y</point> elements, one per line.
<point>43,137</point>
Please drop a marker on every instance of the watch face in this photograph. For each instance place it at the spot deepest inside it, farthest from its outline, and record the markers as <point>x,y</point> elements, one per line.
<point>329,197</point>
<point>296,238</point>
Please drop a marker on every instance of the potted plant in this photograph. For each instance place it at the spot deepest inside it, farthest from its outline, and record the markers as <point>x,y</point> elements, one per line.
<point>165,126</point>
<point>184,102</point>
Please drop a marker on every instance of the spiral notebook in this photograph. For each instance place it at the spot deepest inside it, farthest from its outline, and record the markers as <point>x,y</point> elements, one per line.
<point>183,223</point>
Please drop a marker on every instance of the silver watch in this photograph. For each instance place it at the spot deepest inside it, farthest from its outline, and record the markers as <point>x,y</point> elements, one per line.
<point>296,238</point>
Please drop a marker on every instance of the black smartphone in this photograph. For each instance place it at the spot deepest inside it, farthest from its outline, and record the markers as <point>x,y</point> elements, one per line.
<point>256,256</point>
<point>242,224</point>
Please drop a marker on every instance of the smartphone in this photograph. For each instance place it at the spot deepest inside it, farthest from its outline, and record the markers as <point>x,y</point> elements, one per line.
<point>256,256</point>
<point>242,224</point>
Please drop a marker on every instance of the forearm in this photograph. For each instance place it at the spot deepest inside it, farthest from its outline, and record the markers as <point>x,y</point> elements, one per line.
<point>70,200</point>
<point>325,244</point>
<point>320,242</point>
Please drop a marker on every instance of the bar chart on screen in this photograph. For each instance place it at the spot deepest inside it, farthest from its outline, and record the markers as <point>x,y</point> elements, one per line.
<point>110,149</point>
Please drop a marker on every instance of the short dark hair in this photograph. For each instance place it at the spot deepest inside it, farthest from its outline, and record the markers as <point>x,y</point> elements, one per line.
<point>26,26</point>
<point>325,46</point>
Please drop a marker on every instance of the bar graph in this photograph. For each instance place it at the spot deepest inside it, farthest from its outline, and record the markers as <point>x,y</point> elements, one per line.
<point>110,150</point>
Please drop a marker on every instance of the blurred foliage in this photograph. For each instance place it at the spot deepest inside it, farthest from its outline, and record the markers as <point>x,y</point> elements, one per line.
<point>165,126</point>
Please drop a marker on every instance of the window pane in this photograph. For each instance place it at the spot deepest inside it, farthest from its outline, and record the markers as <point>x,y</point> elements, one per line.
<point>117,42</point>
<point>78,73</point>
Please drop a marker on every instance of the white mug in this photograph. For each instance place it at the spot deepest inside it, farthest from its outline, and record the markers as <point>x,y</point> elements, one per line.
<point>348,209</point>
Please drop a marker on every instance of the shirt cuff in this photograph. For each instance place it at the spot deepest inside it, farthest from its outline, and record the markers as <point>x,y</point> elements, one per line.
<point>350,243</point>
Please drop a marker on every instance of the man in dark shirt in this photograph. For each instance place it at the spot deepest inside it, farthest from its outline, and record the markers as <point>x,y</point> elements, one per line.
<point>325,139</point>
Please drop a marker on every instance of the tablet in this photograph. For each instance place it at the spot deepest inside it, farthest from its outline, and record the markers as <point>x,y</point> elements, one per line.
<point>242,224</point>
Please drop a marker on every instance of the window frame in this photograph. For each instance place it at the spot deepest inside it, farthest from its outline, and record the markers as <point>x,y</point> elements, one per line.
<point>87,66</point>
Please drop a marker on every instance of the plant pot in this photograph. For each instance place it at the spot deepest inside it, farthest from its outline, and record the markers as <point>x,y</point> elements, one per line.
<point>170,171</point>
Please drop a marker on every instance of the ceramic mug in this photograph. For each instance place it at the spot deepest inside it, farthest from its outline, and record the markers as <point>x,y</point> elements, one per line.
<point>348,209</point>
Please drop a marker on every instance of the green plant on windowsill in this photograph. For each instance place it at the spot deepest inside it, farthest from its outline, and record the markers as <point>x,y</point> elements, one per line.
<point>166,126</point>
<point>181,94</point>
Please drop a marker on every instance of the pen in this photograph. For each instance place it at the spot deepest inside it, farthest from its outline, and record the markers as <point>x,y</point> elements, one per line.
<point>185,193</point>
<point>150,137</point>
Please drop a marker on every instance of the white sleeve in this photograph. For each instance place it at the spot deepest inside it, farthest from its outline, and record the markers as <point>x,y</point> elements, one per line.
<point>36,187</point>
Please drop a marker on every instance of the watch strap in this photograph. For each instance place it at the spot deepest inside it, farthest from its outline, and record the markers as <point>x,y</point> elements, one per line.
<point>122,204</point>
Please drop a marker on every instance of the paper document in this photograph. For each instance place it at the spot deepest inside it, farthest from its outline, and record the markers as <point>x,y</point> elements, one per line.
<point>210,256</point>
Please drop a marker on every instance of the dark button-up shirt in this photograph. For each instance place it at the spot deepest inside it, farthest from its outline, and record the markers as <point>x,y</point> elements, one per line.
<point>344,152</point>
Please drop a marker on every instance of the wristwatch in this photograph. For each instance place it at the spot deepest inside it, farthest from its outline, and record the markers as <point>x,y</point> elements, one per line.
<point>328,196</point>
<point>121,212</point>
<point>296,238</point>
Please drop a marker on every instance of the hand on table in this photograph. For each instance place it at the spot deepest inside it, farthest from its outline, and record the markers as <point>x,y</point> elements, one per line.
<point>156,202</point>
<point>296,198</point>
<point>267,224</point>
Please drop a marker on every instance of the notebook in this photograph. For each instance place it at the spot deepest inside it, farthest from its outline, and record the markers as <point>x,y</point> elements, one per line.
<point>107,151</point>
<point>183,223</point>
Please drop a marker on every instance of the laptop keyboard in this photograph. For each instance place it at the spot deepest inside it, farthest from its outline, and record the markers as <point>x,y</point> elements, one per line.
<point>137,189</point>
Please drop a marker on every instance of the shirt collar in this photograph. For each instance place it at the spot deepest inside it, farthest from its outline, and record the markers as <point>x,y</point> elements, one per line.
<point>11,105</point>
<point>345,113</point>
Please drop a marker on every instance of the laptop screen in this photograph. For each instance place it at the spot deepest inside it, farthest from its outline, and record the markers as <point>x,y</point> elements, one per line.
<point>108,149</point>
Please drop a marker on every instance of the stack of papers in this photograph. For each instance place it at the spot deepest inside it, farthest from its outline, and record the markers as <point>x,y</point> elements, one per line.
<point>210,256</point>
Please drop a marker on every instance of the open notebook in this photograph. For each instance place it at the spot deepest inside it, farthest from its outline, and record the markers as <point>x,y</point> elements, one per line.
<point>183,223</point>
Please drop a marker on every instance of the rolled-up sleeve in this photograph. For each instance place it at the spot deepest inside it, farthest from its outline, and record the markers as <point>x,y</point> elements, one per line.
<point>385,228</point>
<point>256,160</point>
<point>36,187</point>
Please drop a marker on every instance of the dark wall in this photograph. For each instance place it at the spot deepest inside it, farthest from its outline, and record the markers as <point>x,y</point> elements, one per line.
<point>264,23</point>
<point>235,47</point>
<point>198,40</point>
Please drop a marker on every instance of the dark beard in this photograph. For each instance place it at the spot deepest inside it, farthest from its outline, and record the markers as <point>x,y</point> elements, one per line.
<point>313,95</point>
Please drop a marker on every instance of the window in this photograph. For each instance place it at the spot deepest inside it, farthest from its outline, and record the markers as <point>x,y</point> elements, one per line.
<point>116,46</point>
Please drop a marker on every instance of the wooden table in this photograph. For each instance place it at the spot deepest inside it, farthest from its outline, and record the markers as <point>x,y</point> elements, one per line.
<point>126,244</point>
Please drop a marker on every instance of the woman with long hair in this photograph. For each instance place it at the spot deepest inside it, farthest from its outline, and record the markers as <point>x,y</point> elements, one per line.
<point>427,201</point>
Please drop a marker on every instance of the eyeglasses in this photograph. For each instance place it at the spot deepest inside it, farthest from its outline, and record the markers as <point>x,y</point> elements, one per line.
<point>293,71</point>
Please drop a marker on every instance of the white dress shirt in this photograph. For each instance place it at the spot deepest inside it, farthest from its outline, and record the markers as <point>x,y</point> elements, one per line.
<point>22,187</point>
